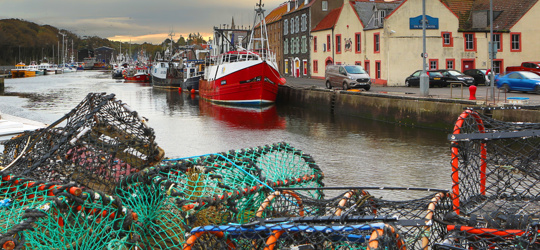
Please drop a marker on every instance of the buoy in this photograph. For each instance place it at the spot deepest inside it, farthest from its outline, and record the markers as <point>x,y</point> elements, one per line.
<point>472,92</point>
<point>193,91</point>
<point>180,90</point>
<point>283,81</point>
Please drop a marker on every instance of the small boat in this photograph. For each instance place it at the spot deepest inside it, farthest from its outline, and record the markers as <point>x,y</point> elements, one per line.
<point>138,74</point>
<point>243,76</point>
<point>193,71</point>
<point>88,63</point>
<point>167,72</point>
<point>22,70</point>
<point>47,68</point>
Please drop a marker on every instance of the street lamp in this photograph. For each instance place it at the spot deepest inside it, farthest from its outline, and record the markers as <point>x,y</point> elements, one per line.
<point>424,78</point>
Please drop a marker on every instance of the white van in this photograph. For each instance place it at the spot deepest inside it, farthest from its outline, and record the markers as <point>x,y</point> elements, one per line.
<point>347,76</point>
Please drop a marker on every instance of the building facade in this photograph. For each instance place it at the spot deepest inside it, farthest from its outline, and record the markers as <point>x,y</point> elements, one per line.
<point>386,37</point>
<point>275,34</point>
<point>297,23</point>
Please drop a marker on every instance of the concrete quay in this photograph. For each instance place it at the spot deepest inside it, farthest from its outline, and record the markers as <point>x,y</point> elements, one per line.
<point>406,105</point>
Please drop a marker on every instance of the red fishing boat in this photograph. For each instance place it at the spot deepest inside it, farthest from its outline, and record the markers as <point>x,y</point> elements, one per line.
<point>243,76</point>
<point>139,74</point>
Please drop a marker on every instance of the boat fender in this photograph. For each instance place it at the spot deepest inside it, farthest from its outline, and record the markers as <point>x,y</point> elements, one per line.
<point>283,81</point>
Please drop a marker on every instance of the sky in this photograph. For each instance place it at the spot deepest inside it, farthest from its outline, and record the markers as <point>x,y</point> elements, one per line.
<point>137,21</point>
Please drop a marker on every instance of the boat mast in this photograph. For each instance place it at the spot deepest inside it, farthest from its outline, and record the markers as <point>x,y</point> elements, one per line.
<point>259,18</point>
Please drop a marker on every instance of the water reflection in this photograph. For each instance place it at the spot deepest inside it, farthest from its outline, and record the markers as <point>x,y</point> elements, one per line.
<point>244,117</point>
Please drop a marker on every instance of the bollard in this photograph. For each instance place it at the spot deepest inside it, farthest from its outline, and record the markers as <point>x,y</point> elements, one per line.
<point>1,85</point>
<point>472,92</point>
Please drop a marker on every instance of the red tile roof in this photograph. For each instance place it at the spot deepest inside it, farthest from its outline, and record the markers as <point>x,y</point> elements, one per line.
<point>276,14</point>
<point>329,21</point>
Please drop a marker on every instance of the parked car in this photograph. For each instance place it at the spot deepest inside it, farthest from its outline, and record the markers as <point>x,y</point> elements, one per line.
<point>519,81</point>
<point>452,75</point>
<point>435,79</point>
<point>347,76</point>
<point>525,66</point>
<point>479,75</point>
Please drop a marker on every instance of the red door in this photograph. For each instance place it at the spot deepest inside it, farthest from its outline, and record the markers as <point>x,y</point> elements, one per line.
<point>467,64</point>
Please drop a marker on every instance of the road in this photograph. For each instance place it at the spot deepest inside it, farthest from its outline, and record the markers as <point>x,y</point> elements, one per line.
<point>455,92</point>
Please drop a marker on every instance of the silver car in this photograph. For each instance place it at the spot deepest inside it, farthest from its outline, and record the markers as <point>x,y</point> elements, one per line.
<point>347,76</point>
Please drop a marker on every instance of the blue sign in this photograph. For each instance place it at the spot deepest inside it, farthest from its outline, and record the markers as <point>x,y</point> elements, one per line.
<point>416,22</point>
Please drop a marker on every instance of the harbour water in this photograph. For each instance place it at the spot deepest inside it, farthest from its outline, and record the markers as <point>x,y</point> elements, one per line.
<point>351,151</point>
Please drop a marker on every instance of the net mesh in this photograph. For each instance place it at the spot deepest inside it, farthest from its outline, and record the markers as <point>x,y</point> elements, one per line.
<point>352,220</point>
<point>221,188</point>
<point>103,140</point>
<point>495,183</point>
<point>38,215</point>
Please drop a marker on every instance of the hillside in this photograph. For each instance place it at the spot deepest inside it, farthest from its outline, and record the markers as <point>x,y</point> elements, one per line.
<point>25,41</point>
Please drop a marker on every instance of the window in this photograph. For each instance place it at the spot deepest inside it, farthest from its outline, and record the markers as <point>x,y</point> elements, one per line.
<point>470,43</point>
<point>359,63</point>
<point>292,25</point>
<point>315,66</point>
<point>448,40</point>
<point>433,64</point>
<point>304,22</point>
<point>286,46</point>
<point>292,46</point>
<point>358,42</point>
<point>324,5</point>
<point>297,24</point>
<point>286,27</point>
<point>366,66</point>
<point>297,45</point>
<point>498,66</point>
<point>328,43</point>
<point>304,62</point>
<point>516,42</point>
<point>304,44</point>
<point>379,17</point>
<point>314,44</point>
<point>286,66</point>
<point>497,42</point>
<point>377,69</point>
<point>450,63</point>
<point>338,44</point>
<point>376,42</point>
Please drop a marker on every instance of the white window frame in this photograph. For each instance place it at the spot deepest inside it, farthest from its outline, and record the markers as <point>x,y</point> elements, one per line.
<point>285,27</point>
<point>324,5</point>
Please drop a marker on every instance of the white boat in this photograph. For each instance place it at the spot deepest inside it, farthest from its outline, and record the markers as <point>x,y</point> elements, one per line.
<point>11,126</point>
<point>47,68</point>
<point>167,72</point>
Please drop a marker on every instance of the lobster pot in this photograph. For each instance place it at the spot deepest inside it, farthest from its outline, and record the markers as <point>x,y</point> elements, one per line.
<point>221,188</point>
<point>102,141</point>
<point>495,181</point>
<point>37,215</point>
<point>352,220</point>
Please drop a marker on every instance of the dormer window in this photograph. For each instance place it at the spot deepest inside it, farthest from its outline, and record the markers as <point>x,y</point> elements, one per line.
<point>379,17</point>
<point>324,5</point>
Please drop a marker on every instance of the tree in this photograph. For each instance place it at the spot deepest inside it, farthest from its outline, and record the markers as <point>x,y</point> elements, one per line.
<point>181,41</point>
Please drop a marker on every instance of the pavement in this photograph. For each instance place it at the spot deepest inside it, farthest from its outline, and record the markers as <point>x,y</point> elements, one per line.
<point>455,92</point>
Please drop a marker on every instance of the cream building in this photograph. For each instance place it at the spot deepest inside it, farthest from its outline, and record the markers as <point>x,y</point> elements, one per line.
<point>386,36</point>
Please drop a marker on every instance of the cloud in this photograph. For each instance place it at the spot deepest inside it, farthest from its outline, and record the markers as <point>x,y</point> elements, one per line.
<point>137,19</point>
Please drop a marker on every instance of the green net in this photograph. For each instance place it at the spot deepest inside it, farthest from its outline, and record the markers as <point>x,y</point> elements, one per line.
<point>37,215</point>
<point>213,189</point>
<point>103,141</point>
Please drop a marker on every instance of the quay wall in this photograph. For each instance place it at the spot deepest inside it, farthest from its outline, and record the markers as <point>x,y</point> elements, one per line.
<point>440,114</point>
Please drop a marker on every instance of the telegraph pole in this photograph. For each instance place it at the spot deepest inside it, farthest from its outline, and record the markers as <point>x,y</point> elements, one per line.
<point>424,78</point>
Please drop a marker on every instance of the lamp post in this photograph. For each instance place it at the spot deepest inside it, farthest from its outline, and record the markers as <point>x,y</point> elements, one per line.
<point>424,78</point>
<point>492,51</point>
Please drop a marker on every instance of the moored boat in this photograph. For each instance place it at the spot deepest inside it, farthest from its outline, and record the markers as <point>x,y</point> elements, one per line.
<point>243,76</point>
<point>139,74</point>
<point>167,72</point>
<point>23,70</point>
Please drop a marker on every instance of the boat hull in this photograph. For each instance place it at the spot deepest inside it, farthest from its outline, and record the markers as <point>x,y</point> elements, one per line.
<point>192,83</point>
<point>144,78</point>
<point>169,82</point>
<point>253,85</point>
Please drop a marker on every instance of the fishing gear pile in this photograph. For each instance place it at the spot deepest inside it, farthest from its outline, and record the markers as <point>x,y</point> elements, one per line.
<point>221,188</point>
<point>103,140</point>
<point>495,183</point>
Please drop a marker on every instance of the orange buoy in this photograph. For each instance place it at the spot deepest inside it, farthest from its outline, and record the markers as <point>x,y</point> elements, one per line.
<point>283,81</point>
<point>193,91</point>
<point>180,90</point>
